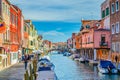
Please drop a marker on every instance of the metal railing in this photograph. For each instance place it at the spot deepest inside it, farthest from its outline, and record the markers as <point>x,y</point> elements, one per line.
<point>103,43</point>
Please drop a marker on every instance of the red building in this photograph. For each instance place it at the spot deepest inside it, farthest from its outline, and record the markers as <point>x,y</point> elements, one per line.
<point>13,34</point>
<point>19,26</point>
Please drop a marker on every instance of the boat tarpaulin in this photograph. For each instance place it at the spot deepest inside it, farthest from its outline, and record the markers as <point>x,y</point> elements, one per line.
<point>106,64</point>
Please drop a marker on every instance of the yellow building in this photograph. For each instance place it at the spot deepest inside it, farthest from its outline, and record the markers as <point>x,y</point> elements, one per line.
<point>4,34</point>
<point>33,43</point>
<point>36,39</point>
<point>25,38</point>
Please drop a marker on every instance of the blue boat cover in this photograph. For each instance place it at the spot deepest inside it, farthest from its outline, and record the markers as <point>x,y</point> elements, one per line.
<point>44,59</point>
<point>106,64</point>
<point>44,69</point>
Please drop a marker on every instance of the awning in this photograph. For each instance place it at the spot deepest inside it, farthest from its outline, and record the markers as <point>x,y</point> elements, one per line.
<point>37,51</point>
<point>19,51</point>
<point>3,56</point>
<point>73,49</point>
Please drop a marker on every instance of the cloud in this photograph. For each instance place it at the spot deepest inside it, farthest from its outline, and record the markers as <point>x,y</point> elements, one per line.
<point>59,10</point>
<point>53,33</point>
<point>54,36</point>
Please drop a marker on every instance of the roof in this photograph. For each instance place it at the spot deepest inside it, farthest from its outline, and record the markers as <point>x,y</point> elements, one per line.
<point>16,7</point>
<point>101,29</point>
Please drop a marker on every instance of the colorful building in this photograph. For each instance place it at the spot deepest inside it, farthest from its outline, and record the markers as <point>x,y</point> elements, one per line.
<point>35,39</point>
<point>17,36</point>
<point>73,40</point>
<point>25,38</point>
<point>5,31</point>
<point>14,45</point>
<point>2,55</point>
<point>115,27</point>
<point>69,43</point>
<point>95,40</point>
<point>105,14</point>
<point>77,43</point>
<point>32,36</point>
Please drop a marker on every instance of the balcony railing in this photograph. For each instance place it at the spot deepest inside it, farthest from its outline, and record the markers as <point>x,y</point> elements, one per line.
<point>103,43</point>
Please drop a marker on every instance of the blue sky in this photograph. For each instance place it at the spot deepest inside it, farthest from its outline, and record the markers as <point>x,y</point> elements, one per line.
<point>57,19</point>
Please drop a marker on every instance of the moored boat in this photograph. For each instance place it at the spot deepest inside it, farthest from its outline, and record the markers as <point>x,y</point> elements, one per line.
<point>107,67</point>
<point>82,60</point>
<point>45,73</point>
<point>45,70</point>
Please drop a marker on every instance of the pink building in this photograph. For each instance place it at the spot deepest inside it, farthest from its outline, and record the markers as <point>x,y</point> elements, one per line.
<point>73,40</point>
<point>69,43</point>
<point>95,40</point>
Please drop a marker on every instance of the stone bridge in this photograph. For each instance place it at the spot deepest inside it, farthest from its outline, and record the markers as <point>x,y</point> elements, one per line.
<point>60,50</point>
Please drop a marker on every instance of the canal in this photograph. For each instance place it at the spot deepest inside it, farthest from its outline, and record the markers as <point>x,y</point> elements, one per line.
<point>67,69</point>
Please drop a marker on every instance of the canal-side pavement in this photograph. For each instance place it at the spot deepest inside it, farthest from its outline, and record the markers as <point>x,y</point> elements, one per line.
<point>15,72</point>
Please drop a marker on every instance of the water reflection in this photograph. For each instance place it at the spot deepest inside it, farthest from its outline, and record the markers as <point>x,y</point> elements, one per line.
<point>67,69</point>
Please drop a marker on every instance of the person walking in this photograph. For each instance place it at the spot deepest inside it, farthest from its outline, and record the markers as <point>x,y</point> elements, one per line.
<point>116,60</point>
<point>26,60</point>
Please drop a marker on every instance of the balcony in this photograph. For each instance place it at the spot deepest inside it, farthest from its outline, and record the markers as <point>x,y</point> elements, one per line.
<point>104,44</point>
<point>85,31</point>
<point>2,27</point>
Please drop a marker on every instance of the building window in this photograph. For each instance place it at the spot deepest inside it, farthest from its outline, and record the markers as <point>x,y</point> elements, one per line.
<point>25,28</point>
<point>117,47</point>
<point>88,39</point>
<point>113,47</point>
<point>6,9</point>
<point>3,7</point>
<point>112,8</point>
<point>117,27</point>
<point>16,21</point>
<point>14,56</point>
<point>113,29</point>
<point>103,38</point>
<point>103,14</point>
<point>107,11</point>
<point>117,5</point>
<point>31,43</point>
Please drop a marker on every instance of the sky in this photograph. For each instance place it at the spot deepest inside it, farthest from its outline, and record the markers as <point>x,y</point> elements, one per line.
<point>56,20</point>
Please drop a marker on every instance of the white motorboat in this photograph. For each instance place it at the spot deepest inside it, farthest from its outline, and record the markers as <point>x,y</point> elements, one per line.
<point>45,73</point>
<point>107,67</point>
<point>82,60</point>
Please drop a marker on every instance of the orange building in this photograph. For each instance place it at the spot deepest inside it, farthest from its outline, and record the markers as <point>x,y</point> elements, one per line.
<point>25,38</point>
<point>13,35</point>
<point>77,42</point>
<point>19,26</point>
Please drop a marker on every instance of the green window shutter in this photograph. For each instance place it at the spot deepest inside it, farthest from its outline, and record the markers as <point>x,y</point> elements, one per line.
<point>107,11</point>
<point>103,14</point>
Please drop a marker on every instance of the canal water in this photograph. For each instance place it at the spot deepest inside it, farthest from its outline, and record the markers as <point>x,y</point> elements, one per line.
<point>67,69</point>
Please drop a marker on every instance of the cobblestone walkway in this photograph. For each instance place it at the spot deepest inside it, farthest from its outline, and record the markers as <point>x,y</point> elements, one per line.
<point>15,72</point>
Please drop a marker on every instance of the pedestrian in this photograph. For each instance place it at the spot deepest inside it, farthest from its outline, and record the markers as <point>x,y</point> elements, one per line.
<point>26,60</point>
<point>19,56</point>
<point>116,58</point>
<point>29,58</point>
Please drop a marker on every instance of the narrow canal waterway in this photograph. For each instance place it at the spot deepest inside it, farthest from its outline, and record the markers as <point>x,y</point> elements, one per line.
<point>67,69</point>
